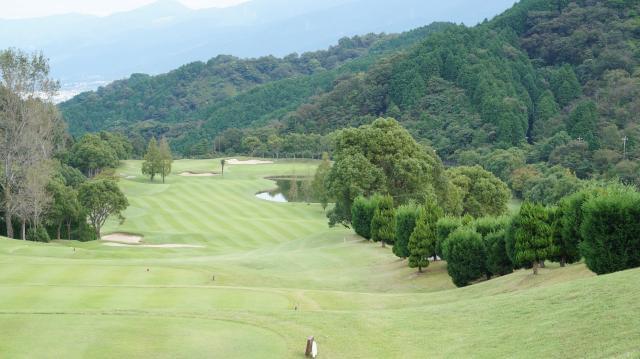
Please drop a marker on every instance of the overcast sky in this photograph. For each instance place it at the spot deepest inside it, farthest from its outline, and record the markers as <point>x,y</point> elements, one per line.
<point>15,9</point>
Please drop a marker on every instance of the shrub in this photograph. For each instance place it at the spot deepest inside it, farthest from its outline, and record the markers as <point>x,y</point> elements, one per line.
<point>487,225</point>
<point>466,256</point>
<point>569,221</point>
<point>383,224</point>
<point>611,232</point>
<point>361,216</point>
<point>84,233</point>
<point>405,223</point>
<point>38,235</point>
<point>564,241</point>
<point>444,227</point>
<point>498,262</point>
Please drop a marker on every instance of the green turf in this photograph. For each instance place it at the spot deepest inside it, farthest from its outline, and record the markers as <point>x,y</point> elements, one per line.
<point>73,300</point>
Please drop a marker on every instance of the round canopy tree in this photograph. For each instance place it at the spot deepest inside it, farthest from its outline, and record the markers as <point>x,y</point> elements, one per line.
<point>483,194</point>
<point>102,198</point>
<point>382,157</point>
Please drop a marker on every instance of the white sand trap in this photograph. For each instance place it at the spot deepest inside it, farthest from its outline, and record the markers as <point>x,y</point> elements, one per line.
<point>234,161</point>
<point>152,245</point>
<point>193,174</point>
<point>125,238</point>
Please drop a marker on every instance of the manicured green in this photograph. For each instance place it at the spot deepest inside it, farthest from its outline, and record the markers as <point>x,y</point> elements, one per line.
<point>269,258</point>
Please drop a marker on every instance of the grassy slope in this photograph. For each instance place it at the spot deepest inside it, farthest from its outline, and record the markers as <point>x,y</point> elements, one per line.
<point>267,258</point>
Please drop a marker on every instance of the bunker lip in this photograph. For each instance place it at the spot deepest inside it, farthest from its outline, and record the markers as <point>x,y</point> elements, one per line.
<point>234,161</point>
<point>122,238</point>
<point>198,174</point>
<point>167,245</point>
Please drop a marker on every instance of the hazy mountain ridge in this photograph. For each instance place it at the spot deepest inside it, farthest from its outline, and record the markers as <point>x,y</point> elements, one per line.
<point>164,35</point>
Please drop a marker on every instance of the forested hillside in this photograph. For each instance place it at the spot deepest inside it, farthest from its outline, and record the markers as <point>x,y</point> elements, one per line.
<point>549,88</point>
<point>183,98</point>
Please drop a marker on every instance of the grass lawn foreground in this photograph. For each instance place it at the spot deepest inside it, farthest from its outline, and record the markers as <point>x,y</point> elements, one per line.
<point>262,276</point>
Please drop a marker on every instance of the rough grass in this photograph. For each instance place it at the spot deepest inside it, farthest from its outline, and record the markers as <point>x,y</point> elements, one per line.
<point>356,298</point>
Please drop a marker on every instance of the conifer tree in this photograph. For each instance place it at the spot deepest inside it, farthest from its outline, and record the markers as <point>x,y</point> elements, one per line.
<point>422,243</point>
<point>406,218</point>
<point>383,225</point>
<point>362,212</point>
<point>532,235</point>
<point>466,258</point>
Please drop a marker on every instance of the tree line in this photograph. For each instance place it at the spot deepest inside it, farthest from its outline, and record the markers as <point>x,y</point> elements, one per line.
<point>158,159</point>
<point>391,190</point>
<point>51,184</point>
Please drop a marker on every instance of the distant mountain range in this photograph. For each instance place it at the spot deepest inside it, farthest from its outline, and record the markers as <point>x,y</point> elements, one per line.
<point>164,35</point>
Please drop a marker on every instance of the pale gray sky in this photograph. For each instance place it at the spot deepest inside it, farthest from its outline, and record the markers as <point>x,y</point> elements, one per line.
<point>15,9</point>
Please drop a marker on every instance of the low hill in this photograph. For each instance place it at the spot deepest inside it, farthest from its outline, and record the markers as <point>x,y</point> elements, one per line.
<point>556,81</point>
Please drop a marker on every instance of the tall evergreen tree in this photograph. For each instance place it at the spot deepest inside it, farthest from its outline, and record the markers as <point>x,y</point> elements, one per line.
<point>583,124</point>
<point>532,235</point>
<point>566,86</point>
<point>383,225</point>
<point>406,218</point>
<point>422,243</point>
<point>566,243</point>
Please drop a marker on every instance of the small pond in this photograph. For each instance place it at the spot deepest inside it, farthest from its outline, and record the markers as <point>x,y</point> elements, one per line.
<point>289,189</point>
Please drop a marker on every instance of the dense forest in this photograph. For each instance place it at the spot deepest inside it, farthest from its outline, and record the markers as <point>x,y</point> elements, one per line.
<point>183,99</point>
<point>543,96</point>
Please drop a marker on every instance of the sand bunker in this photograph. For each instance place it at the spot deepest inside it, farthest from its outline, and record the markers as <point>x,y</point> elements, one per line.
<point>152,245</point>
<point>234,161</point>
<point>125,238</point>
<point>194,174</point>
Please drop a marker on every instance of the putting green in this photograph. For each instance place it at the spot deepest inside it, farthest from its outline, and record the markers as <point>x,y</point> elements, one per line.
<point>270,274</point>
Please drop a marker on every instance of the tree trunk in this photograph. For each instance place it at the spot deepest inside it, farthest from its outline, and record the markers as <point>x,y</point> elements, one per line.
<point>562,262</point>
<point>59,226</point>
<point>7,220</point>
<point>69,230</point>
<point>542,265</point>
<point>383,244</point>
<point>23,230</point>
<point>535,267</point>
<point>419,269</point>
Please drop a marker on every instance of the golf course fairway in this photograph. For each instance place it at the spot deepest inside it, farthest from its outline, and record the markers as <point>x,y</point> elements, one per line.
<point>256,278</point>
